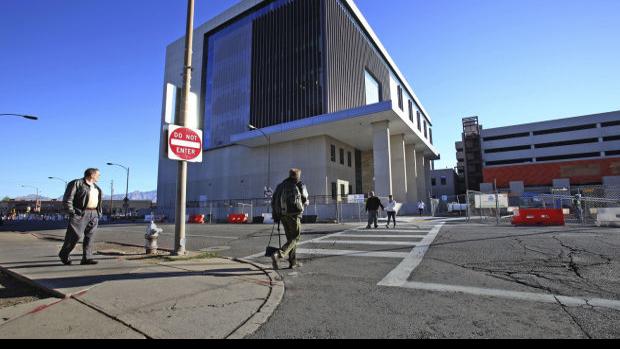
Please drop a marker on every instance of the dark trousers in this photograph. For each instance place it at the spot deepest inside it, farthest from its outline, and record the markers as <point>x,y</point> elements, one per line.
<point>391,215</point>
<point>373,218</point>
<point>84,226</point>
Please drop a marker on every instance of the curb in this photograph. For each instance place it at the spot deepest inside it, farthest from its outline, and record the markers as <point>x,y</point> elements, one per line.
<point>264,313</point>
<point>33,284</point>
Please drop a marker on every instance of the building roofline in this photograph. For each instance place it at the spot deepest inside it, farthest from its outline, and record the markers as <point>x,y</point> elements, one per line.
<point>555,120</point>
<point>246,5</point>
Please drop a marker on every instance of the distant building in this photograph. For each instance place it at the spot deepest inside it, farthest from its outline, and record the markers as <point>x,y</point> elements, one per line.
<point>582,150</point>
<point>444,184</point>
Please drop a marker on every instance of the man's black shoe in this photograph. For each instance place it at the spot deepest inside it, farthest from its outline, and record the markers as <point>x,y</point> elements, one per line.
<point>65,260</point>
<point>88,262</point>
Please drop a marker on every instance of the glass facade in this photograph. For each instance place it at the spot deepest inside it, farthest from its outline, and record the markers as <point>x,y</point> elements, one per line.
<point>228,84</point>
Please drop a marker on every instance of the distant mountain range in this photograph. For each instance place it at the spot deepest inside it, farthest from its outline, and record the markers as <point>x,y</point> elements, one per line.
<point>136,195</point>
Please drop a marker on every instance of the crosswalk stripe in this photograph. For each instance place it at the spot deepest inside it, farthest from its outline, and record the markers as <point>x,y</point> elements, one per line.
<point>352,253</point>
<point>384,236</point>
<point>392,230</point>
<point>361,242</point>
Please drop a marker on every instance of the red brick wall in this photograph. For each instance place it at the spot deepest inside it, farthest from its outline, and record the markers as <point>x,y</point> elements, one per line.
<point>543,174</point>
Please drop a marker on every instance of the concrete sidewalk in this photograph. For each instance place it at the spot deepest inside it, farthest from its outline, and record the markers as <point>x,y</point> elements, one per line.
<point>129,298</point>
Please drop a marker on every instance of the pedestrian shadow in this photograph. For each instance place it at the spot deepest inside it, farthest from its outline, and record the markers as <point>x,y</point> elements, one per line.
<point>91,280</point>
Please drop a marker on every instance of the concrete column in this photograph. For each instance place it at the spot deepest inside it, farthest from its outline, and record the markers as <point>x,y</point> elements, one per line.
<point>382,158</point>
<point>427,175</point>
<point>399,168</point>
<point>412,174</point>
<point>421,180</point>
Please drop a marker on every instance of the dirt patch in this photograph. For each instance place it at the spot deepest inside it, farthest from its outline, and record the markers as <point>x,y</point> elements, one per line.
<point>14,292</point>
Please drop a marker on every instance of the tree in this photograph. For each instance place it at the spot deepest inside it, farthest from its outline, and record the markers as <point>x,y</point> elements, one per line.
<point>6,198</point>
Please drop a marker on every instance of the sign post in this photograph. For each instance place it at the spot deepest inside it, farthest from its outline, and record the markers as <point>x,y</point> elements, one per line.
<point>179,233</point>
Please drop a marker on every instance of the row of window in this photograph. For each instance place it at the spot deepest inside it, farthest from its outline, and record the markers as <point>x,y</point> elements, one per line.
<point>444,181</point>
<point>548,158</point>
<point>551,144</point>
<point>343,193</point>
<point>551,131</point>
<point>349,156</point>
<point>428,132</point>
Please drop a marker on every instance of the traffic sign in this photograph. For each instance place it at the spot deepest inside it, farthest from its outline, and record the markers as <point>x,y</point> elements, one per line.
<point>184,144</point>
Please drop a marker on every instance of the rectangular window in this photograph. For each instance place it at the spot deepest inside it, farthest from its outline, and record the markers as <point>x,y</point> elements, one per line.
<point>419,121</point>
<point>612,153</point>
<point>444,181</point>
<point>334,191</point>
<point>400,98</point>
<point>350,159</point>
<point>434,182</point>
<point>333,153</point>
<point>373,89</point>
<point>430,134</point>
<point>411,111</point>
<point>341,156</point>
<point>350,188</point>
<point>342,192</point>
<point>425,130</point>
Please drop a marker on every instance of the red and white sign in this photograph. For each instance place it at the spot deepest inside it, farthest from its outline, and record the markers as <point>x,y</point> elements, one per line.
<point>184,144</point>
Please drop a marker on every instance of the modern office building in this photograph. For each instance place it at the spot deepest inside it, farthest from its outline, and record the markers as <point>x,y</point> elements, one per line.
<point>323,93</point>
<point>580,150</point>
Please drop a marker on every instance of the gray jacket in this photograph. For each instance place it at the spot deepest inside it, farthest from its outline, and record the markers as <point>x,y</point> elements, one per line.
<point>77,195</point>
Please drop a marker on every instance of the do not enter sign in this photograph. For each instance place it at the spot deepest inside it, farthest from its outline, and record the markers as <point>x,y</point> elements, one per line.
<point>184,144</point>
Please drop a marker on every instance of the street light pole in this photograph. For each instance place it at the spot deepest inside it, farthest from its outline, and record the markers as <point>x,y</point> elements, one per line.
<point>179,234</point>
<point>29,117</point>
<point>60,179</point>
<point>253,128</point>
<point>126,200</point>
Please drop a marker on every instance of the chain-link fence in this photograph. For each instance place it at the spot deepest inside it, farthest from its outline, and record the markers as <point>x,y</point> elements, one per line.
<point>581,204</point>
<point>321,209</point>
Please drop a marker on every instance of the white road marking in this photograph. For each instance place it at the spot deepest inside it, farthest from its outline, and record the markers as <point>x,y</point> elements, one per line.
<point>384,236</point>
<point>392,230</point>
<point>352,253</point>
<point>362,242</point>
<point>525,296</point>
<point>400,275</point>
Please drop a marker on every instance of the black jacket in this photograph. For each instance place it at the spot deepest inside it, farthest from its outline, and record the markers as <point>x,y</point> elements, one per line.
<point>77,195</point>
<point>373,204</point>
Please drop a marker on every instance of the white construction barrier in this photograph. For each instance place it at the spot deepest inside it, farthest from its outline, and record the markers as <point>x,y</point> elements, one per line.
<point>608,217</point>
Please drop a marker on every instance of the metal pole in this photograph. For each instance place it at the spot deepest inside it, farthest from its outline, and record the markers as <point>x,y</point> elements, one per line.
<point>269,163</point>
<point>127,194</point>
<point>111,199</point>
<point>179,236</point>
<point>496,201</point>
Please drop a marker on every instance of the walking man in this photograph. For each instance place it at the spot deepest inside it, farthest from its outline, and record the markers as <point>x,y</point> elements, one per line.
<point>421,207</point>
<point>288,204</point>
<point>391,211</point>
<point>372,207</point>
<point>82,201</point>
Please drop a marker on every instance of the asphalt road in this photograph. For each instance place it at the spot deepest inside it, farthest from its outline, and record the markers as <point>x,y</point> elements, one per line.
<point>474,281</point>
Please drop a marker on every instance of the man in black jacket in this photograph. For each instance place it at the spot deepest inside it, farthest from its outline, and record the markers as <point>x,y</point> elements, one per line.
<point>82,200</point>
<point>372,207</point>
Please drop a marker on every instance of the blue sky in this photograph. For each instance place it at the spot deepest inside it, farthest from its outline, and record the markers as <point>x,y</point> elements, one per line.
<point>93,71</point>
